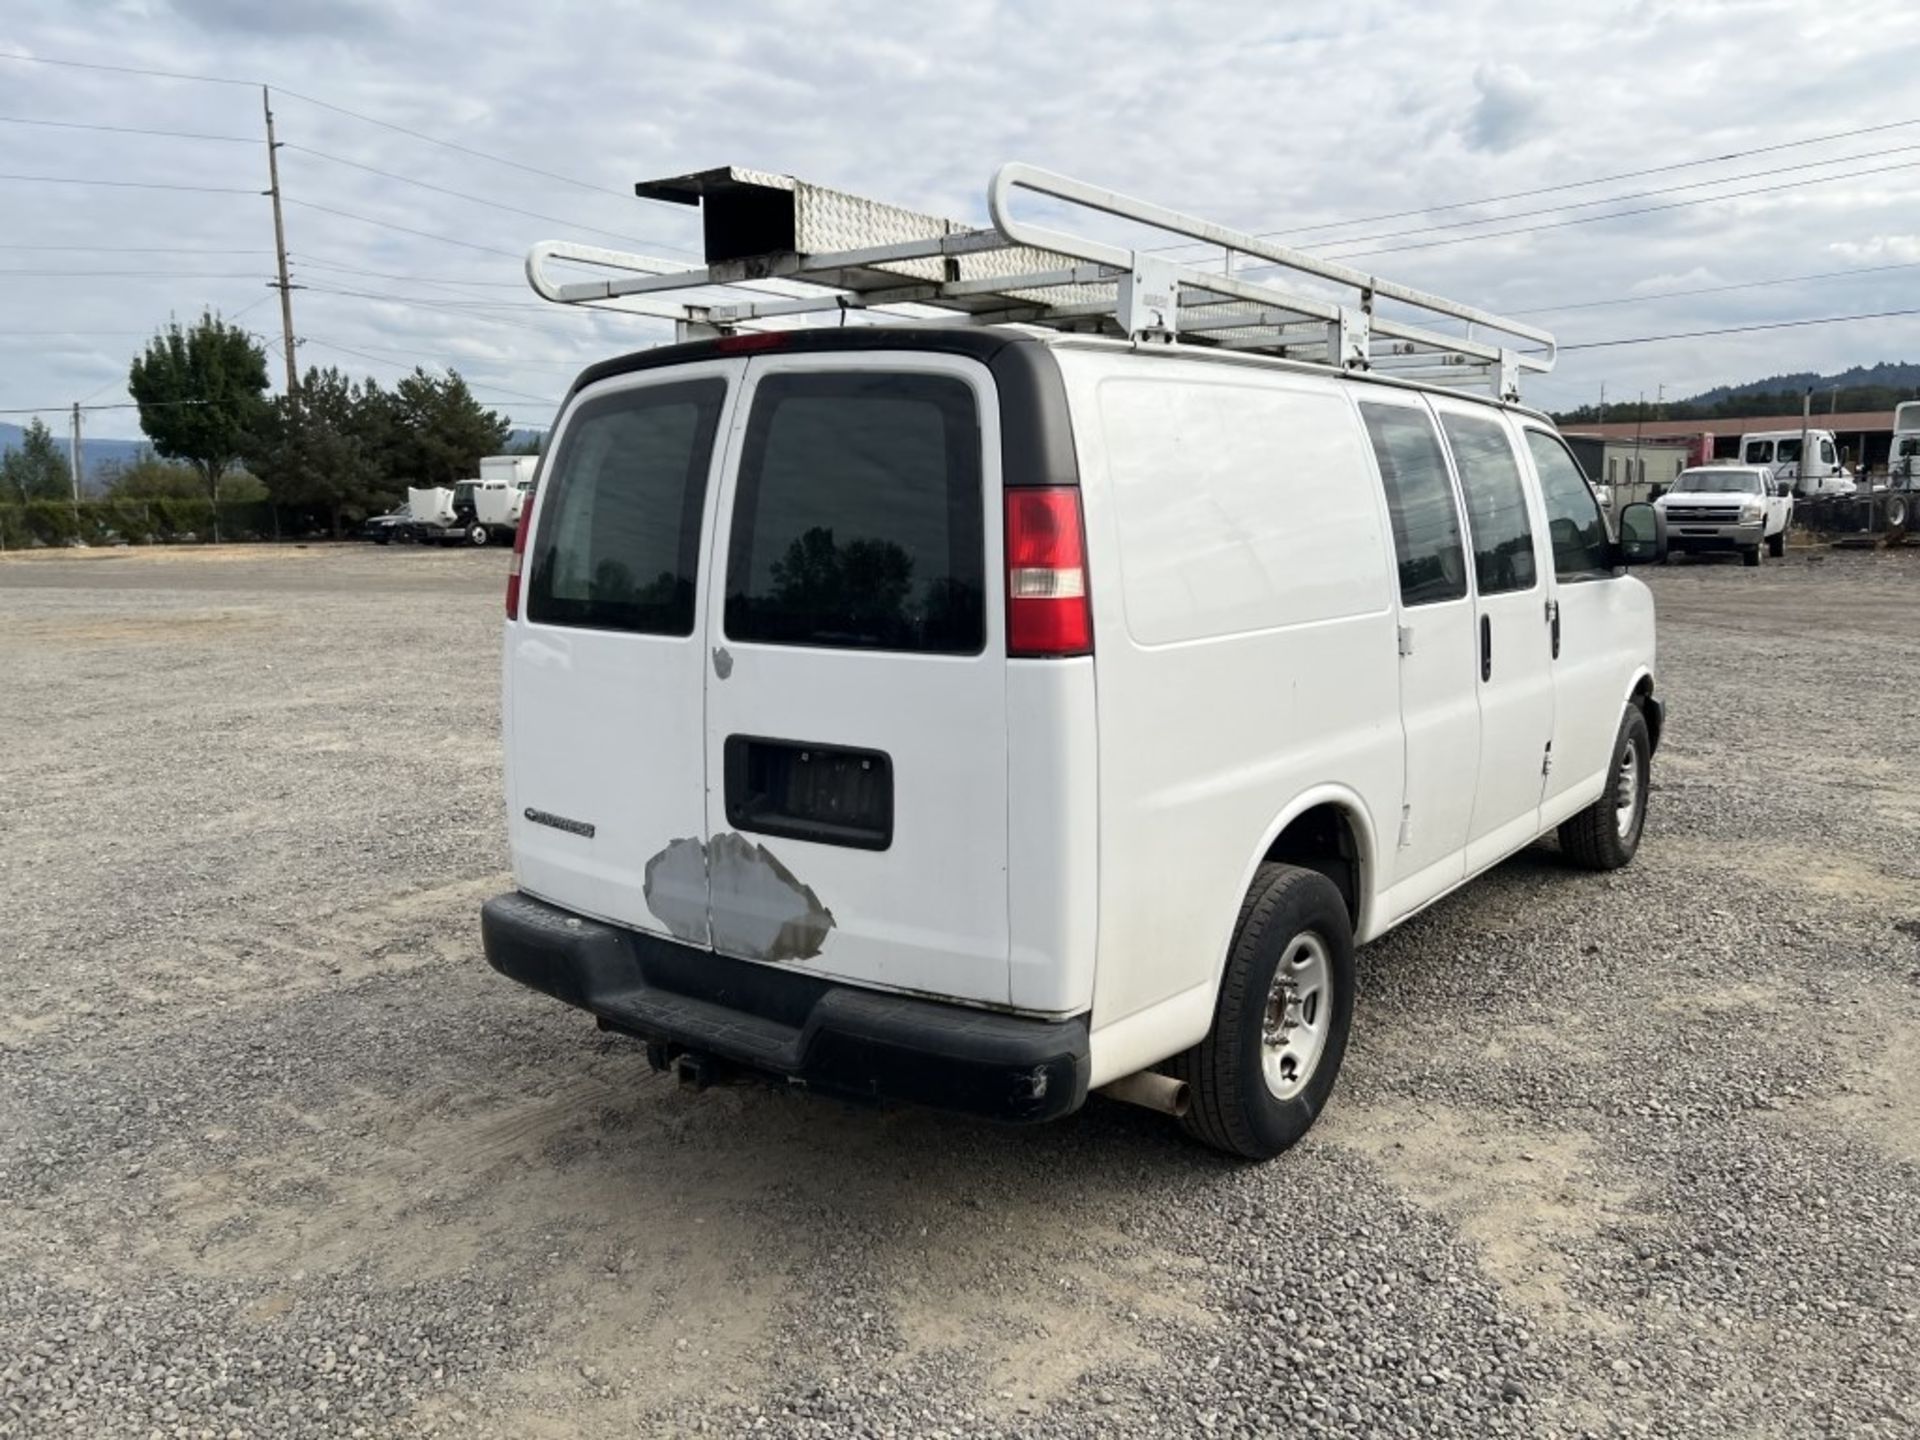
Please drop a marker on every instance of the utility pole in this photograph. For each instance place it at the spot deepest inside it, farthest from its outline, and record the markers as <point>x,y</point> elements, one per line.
<point>1603,404</point>
<point>73,457</point>
<point>1806,419</point>
<point>280,245</point>
<point>1639,424</point>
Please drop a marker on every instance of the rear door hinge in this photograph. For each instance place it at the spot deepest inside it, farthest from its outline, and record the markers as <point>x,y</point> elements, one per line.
<point>1406,826</point>
<point>1546,765</point>
<point>1406,639</point>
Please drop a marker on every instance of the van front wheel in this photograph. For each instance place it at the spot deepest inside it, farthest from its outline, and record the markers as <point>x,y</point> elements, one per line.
<point>1280,1024</point>
<point>1605,835</point>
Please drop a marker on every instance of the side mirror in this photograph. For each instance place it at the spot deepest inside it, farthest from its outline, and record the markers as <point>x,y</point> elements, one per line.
<point>1643,535</point>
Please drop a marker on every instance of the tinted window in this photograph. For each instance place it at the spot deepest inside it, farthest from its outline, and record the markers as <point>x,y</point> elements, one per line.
<point>1574,523</point>
<point>857,520</point>
<point>1426,524</point>
<point>1496,504</point>
<point>1760,452</point>
<point>619,541</point>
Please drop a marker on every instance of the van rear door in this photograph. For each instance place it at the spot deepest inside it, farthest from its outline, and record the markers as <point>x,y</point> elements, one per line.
<point>856,728</point>
<point>606,765</point>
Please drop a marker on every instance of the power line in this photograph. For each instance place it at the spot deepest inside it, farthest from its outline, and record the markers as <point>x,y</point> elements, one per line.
<point>125,129</point>
<point>120,69</point>
<point>389,225</point>
<point>1618,214</point>
<point>1716,289</point>
<point>324,105</point>
<point>475,310</point>
<point>1738,329</point>
<point>127,184</point>
<point>300,258</point>
<point>139,274</point>
<point>573,367</point>
<point>119,405</point>
<point>326,344</point>
<point>473,199</point>
<point>424,304</point>
<point>1634,195</point>
<point>135,249</point>
<point>462,149</point>
<point>1571,184</point>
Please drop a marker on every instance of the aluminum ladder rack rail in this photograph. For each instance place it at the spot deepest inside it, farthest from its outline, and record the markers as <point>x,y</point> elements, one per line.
<point>778,250</point>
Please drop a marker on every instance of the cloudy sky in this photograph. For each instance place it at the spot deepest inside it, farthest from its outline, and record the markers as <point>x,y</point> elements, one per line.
<point>1275,117</point>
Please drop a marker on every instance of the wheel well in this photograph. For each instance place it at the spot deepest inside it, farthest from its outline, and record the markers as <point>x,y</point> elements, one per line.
<point>1641,694</point>
<point>1323,839</point>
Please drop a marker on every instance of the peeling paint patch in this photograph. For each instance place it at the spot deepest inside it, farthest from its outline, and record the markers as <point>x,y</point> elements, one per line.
<point>760,910</point>
<point>676,889</point>
<point>738,897</point>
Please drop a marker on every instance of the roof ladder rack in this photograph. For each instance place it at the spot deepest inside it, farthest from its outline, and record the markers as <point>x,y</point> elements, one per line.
<point>779,250</point>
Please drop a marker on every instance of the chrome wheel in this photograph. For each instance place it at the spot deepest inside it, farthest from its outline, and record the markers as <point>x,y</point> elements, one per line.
<point>1626,804</point>
<point>1299,1014</point>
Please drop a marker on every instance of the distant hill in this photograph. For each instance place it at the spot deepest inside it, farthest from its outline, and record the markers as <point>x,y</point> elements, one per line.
<point>1864,387</point>
<point>1887,373</point>
<point>95,453</point>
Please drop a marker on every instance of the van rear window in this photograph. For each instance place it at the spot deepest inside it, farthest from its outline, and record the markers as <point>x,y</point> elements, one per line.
<point>857,519</point>
<point>619,540</point>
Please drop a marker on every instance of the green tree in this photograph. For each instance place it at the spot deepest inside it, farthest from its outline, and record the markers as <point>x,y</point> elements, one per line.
<point>320,448</point>
<point>36,470</point>
<point>147,477</point>
<point>439,431</point>
<point>201,394</point>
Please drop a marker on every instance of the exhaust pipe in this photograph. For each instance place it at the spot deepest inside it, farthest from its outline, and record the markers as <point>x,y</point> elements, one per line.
<point>1151,1089</point>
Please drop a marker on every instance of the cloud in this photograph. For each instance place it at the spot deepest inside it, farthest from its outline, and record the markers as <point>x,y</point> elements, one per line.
<point>332,18</point>
<point>1263,116</point>
<point>1508,111</point>
<point>1887,249</point>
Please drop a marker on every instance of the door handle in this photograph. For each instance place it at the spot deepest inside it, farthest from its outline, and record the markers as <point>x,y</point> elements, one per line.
<point>1486,648</point>
<point>1553,624</point>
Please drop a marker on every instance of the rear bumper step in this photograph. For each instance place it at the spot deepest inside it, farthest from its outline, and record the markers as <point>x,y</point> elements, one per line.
<point>787,1024</point>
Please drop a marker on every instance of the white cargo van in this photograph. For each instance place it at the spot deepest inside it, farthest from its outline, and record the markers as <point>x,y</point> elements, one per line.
<point>978,715</point>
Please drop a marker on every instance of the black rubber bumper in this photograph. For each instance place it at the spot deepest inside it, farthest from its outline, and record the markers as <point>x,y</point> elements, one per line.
<point>786,1024</point>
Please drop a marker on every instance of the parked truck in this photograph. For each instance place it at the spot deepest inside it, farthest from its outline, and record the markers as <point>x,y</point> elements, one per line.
<point>1727,508</point>
<point>473,511</point>
<point>1820,474</point>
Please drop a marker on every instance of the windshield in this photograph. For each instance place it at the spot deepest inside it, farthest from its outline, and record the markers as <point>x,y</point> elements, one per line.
<point>1907,446</point>
<point>1718,482</point>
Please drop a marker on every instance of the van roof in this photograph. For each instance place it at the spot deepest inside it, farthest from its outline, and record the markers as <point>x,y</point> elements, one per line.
<point>996,346</point>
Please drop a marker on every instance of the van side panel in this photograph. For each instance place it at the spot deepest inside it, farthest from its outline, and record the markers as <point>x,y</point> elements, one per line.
<point>1244,644</point>
<point>1053,828</point>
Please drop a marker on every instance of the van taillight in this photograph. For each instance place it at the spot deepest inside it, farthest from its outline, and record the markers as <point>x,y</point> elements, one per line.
<point>519,557</point>
<point>1048,609</point>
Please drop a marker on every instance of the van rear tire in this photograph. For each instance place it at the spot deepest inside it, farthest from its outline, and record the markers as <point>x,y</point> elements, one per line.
<point>1599,838</point>
<point>1265,1070</point>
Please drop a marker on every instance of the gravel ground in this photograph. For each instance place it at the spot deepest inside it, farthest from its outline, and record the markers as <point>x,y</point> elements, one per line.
<point>279,1155</point>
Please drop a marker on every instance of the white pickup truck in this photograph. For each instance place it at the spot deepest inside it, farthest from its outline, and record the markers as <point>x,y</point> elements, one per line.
<point>1728,507</point>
